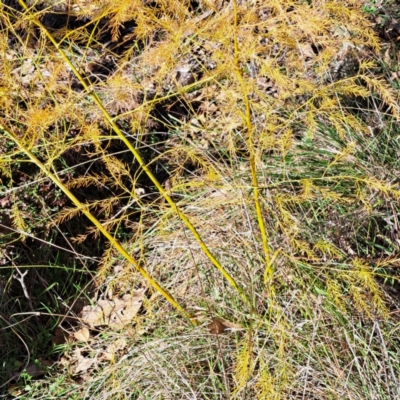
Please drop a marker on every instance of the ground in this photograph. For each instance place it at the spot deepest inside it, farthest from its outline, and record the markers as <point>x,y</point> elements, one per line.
<point>199,199</point>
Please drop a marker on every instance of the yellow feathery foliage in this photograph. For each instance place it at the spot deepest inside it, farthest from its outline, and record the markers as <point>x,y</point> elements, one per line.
<point>365,281</point>
<point>273,379</point>
<point>266,385</point>
<point>335,294</point>
<point>5,169</point>
<point>244,363</point>
<point>328,250</point>
<point>367,296</point>
<point>66,214</point>
<point>19,220</point>
<point>84,181</point>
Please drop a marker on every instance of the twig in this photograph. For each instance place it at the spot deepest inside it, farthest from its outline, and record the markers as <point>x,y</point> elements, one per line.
<point>21,280</point>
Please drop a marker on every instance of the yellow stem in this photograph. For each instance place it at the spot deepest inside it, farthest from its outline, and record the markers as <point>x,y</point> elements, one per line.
<point>252,158</point>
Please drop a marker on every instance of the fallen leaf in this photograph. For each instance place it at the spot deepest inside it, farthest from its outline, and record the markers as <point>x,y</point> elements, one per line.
<point>220,325</point>
<point>118,345</point>
<point>92,315</point>
<point>27,67</point>
<point>64,361</point>
<point>5,201</point>
<point>37,369</point>
<point>82,335</point>
<point>306,50</point>
<point>46,363</point>
<point>386,56</point>
<point>83,365</point>
<point>125,310</point>
<point>216,326</point>
<point>60,337</point>
<point>113,349</point>
<point>116,312</point>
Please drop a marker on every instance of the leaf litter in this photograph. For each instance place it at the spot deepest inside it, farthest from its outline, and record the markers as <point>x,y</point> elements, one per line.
<point>104,314</point>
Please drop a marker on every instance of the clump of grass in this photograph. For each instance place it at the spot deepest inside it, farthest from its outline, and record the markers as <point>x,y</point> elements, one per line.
<point>252,137</point>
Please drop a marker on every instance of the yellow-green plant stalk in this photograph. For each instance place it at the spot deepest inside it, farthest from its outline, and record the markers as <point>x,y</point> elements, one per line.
<point>138,157</point>
<point>252,157</point>
<point>99,226</point>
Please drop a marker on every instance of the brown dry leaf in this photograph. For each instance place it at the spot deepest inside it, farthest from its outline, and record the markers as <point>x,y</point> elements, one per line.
<point>208,107</point>
<point>5,201</point>
<point>306,50</point>
<point>92,315</point>
<point>82,364</point>
<point>220,325</point>
<point>46,363</point>
<point>216,327</point>
<point>86,377</point>
<point>116,312</point>
<point>36,370</point>
<point>64,361</point>
<point>82,335</point>
<point>114,348</point>
<point>386,56</point>
<point>59,336</point>
<point>126,309</point>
